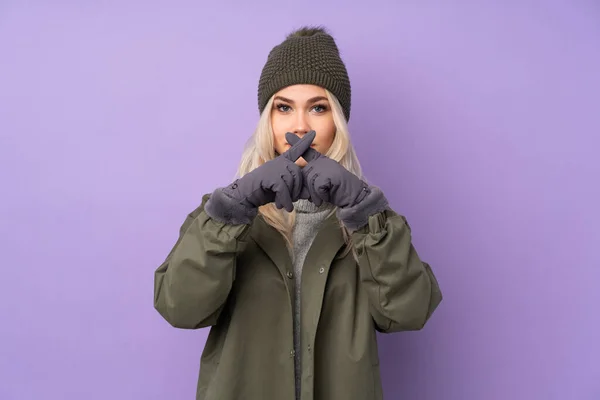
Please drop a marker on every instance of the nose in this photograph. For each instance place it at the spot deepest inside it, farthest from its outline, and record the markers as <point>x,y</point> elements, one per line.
<point>302,125</point>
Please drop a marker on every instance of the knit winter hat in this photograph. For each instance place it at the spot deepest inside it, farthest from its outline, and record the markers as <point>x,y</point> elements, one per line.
<point>306,56</point>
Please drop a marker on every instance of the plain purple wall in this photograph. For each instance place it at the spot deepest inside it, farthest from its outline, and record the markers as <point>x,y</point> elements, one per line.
<point>480,121</point>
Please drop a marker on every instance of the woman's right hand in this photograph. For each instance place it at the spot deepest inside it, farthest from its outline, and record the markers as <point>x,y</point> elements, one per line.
<point>278,180</point>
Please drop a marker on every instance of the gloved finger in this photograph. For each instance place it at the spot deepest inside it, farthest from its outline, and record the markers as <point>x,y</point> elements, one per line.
<point>326,190</point>
<point>310,154</point>
<point>297,149</point>
<point>305,193</point>
<point>295,177</point>
<point>283,198</point>
<point>314,195</point>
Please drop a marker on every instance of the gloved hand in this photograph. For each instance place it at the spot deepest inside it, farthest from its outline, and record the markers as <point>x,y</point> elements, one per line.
<point>327,180</point>
<point>278,180</point>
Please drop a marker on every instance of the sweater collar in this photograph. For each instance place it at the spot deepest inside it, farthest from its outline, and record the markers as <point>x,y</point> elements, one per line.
<point>306,206</point>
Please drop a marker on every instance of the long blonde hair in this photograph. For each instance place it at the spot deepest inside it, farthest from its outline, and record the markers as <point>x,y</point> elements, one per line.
<point>260,148</point>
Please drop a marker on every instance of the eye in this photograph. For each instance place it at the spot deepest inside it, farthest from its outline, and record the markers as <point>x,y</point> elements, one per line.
<point>285,107</point>
<point>322,107</point>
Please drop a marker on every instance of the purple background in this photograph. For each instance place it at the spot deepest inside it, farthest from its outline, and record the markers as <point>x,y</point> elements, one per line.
<point>480,120</point>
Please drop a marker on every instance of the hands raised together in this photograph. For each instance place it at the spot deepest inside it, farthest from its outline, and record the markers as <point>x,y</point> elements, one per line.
<point>326,180</point>
<point>278,180</point>
<point>283,182</point>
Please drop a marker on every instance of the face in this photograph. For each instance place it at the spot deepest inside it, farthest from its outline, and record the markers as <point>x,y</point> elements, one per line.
<point>300,109</point>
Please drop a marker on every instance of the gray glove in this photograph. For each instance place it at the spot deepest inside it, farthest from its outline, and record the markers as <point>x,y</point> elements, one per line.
<point>327,180</point>
<point>278,180</point>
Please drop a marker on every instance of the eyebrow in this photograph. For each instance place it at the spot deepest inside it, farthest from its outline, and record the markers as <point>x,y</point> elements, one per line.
<point>311,100</point>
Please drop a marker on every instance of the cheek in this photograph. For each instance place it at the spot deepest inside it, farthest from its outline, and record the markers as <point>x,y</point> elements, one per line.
<point>278,144</point>
<point>279,141</point>
<point>277,130</point>
<point>329,135</point>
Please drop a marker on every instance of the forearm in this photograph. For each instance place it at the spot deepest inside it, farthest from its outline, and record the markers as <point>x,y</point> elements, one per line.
<point>401,287</point>
<point>193,283</point>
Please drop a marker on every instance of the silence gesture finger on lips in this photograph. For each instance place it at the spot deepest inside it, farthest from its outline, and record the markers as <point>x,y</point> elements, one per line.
<point>310,153</point>
<point>288,188</point>
<point>299,146</point>
<point>278,180</point>
<point>327,180</point>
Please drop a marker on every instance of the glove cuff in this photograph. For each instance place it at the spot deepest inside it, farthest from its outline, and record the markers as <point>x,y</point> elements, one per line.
<point>224,208</point>
<point>357,216</point>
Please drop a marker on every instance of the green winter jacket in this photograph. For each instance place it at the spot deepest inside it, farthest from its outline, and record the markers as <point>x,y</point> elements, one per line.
<point>238,279</point>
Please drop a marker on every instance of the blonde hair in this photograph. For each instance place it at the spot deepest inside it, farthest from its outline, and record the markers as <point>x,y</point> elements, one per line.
<point>260,148</point>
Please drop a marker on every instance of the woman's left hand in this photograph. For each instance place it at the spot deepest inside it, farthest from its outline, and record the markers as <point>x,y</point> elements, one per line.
<point>327,180</point>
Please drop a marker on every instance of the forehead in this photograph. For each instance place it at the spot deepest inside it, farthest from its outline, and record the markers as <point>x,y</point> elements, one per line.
<point>301,92</point>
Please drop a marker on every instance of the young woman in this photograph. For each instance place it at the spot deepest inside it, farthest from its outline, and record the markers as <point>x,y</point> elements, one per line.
<point>299,262</point>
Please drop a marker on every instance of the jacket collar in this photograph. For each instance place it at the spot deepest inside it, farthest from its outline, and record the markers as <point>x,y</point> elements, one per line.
<point>327,242</point>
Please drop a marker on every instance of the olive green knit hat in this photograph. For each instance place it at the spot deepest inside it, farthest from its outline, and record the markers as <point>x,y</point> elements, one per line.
<point>307,56</point>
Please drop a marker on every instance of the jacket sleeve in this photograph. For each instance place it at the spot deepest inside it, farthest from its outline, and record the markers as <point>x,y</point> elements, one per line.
<point>193,283</point>
<point>402,289</point>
